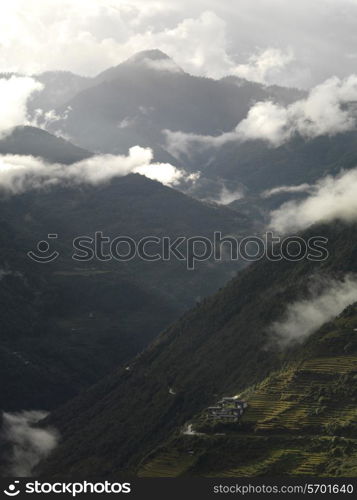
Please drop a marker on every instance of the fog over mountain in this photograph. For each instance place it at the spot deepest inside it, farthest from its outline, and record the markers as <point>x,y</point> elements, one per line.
<point>296,44</point>
<point>28,444</point>
<point>304,317</point>
<point>330,198</point>
<point>14,93</point>
<point>20,173</point>
<point>327,110</point>
<point>136,101</point>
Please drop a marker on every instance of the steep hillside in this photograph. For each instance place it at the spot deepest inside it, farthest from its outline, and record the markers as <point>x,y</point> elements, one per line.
<point>300,420</point>
<point>219,348</point>
<point>36,142</point>
<point>67,323</point>
<point>261,167</point>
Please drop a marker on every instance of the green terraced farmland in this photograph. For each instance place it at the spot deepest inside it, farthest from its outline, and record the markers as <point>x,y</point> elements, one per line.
<point>305,399</point>
<point>300,420</point>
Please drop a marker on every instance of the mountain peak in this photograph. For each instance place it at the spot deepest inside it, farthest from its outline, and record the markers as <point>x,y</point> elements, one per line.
<point>153,55</point>
<point>153,59</point>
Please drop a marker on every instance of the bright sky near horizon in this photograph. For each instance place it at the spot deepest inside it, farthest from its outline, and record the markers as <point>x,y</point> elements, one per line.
<point>270,41</point>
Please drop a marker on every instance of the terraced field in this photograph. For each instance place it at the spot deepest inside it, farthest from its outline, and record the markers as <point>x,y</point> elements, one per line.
<point>341,364</point>
<point>288,400</point>
<point>300,421</point>
<point>276,458</point>
<point>292,419</point>
<point>169,464</point>
<point>234,455</point>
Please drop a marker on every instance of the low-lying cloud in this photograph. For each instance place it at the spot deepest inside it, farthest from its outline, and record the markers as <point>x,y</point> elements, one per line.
<point>22,173</point>
<point>44,119</point>
<point>331,198</point>
<point>329,109</point>
<point>301,188</point>
<point>302,318</point>
<point>28,444</point>
<point>15,92</point>
<point>178,142</point>
<point>261,67</point>
<point>226,196</point>
<point>162,65</point>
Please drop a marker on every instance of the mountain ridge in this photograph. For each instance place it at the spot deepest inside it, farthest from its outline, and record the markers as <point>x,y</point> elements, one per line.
<point>299,420</point>
<point>211,350</point>
<point>33,141</point>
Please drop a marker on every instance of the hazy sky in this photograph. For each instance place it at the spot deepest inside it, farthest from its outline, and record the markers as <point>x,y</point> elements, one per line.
<point>274,41</point>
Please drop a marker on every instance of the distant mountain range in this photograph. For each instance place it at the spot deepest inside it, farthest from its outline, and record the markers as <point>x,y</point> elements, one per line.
<point>134,102</point>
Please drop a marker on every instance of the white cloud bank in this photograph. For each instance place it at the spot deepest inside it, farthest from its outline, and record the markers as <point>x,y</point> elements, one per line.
<point>262,66</point>
<point>14,94</point>
<point>332,198</point>
<point>329,109</point>
<point>41,36</point>
<point>28,444</point>
<point>302,318</point>
<point>22,173</point>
